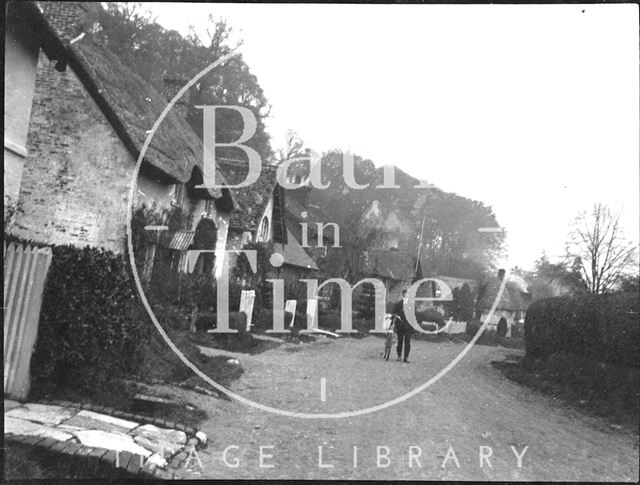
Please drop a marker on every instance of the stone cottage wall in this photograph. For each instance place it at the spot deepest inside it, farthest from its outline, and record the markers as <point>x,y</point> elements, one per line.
<point>77,173</point>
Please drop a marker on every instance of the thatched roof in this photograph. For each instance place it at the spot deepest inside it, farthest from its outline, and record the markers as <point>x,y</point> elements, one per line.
<point>454,282</point>
<point>132,106</point>
<point>513,298</point>
<point>294,254</point>
<point>135,105</point>
<point>394,265</point>
<point>28,14</point>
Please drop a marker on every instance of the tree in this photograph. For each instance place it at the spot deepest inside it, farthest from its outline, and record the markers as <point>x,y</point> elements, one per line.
<point>461,307</point>
<point>464,304</point>
<point>294,147</point>
<point>598,250</point>
<point>630,284</point>
<point>549,279</point>
<point>451,244</point>
<point>156,54</point>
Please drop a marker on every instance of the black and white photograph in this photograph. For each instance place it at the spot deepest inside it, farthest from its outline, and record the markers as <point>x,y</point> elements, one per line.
<point>345,242</point>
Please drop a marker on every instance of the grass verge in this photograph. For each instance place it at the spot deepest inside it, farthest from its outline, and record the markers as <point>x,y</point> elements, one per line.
<point>597,388</point>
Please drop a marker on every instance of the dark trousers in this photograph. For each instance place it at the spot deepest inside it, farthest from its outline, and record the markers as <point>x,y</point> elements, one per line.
<point>404,340</point>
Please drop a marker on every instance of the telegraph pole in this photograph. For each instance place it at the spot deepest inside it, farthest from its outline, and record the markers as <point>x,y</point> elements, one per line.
<point>419,245</point>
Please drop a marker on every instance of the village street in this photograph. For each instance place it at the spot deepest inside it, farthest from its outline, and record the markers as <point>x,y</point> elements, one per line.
<point>473,406</point>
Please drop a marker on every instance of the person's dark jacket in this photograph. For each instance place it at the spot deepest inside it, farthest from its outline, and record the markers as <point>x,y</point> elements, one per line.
<point>402,324</point>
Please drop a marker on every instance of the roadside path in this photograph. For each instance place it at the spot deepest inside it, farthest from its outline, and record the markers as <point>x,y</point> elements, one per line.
<point>473,406</point>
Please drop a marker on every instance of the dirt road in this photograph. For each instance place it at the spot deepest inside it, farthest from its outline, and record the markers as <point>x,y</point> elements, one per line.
<point>471,411</point>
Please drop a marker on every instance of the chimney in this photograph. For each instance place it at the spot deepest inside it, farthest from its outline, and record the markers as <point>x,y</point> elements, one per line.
<point>171,88</point>
<point>70,19</point>
<point>500,274</point>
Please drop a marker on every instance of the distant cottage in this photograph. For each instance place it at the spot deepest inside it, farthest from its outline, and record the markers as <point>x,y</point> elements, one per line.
<point>513,303</point>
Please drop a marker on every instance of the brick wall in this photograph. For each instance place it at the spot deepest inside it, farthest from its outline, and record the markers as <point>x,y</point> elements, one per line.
<point>75,178</point>
<point>68,19</point>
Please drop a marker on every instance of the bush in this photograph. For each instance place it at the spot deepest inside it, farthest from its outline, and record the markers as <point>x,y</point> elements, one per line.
<point>91,322</point>
<point>603,327</point>
<point>208,321</point>
<point>501,330</point>
<point>299,323</point>
<point>329,320</point>
<point>164,284</point>
<point>205,321</point>
<point>262,318</point>
<point>197,291</point>
<point>517,330</point>
<point>365,302</point>
<point>171,316</point>
<point>473,326</point>
<point>430,327</point>
<point>431,315</point>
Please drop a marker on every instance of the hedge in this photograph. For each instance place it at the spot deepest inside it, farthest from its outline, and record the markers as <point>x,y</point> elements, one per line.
<point>603,327</point>
<point>90,322</point>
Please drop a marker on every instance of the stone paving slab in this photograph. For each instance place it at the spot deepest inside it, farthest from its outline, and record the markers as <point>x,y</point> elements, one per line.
<point>90,431</point>
<point>41,413</point>
<point>164,442</point>
<point>151,431</point>
<point>111,441</point>
<point>90,420</point>
<point>29,428</point>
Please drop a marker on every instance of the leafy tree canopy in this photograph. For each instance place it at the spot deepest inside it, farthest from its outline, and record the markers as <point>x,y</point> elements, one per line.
<point>157,54</point>
<point>451,243</point>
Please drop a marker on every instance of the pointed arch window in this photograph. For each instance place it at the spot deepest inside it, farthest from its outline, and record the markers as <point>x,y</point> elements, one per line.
<point>263,234</point>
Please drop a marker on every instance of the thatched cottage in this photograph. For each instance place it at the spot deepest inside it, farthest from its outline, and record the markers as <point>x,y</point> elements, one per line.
<point>26,35</point>
<point>260,217</point>
<point>396,269</point>
<point>90,116</point>
<point>512,305</point>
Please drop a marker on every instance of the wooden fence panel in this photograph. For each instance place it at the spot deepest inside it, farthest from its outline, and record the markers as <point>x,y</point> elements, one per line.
<point>25,271</point>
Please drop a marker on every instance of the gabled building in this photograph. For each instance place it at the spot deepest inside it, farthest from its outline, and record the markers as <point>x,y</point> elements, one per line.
<point>513,304</point>
<point>260,217</point>
<point>27,35</point>
<point>311,226</point>
<point>396,269</point>
<point>88,125</point>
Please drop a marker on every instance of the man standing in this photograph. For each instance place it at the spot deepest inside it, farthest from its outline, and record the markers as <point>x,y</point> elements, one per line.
<point>403,328</point>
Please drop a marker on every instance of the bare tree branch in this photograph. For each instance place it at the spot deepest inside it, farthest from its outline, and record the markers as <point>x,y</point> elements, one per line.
<point>599,249</point>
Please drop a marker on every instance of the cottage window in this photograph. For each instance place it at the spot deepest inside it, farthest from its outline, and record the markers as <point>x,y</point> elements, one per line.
<point>210,208</point>
<point>149,257</point>
<point>263,234</point>
<point>179,195</point>
<point>205,237</point>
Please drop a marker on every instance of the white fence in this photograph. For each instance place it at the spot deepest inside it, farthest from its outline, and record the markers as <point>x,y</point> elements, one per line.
<point>25,271</point>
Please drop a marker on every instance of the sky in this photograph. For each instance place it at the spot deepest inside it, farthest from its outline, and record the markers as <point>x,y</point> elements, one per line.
<point>531,109</point>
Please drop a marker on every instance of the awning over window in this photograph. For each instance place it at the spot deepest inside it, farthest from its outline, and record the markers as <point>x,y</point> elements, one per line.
<point>182,240</point>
